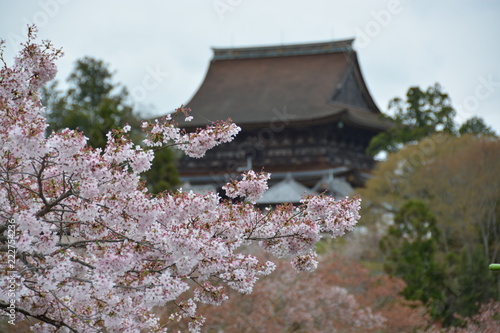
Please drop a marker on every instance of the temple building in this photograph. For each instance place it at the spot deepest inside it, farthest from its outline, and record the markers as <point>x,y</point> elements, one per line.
<point>306,116</point>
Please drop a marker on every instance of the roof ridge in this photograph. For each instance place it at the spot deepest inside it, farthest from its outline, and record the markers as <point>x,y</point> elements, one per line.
<point>283,50</point>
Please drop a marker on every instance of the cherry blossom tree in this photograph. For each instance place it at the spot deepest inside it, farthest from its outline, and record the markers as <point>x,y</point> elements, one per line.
<point>86,248</point>
<point>340,296</point>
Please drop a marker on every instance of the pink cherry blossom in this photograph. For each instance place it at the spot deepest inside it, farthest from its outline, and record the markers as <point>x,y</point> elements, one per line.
<point>96,252</point>
<point>252,187</point>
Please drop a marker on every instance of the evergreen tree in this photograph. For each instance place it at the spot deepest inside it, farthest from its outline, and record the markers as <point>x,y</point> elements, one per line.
<point>422,114</point>
<point>411,245</point>
<point>457,178</point>
<point>94,104</point>
<point>476,125</point>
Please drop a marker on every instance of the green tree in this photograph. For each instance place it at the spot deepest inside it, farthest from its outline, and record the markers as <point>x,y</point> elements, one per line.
<point>95,104</point>
<point>422,114</point>
<point>163,173</point>
<point>411,245</point>
<point>476,285</point>
<point>458,179</point>
<point>476,125</point>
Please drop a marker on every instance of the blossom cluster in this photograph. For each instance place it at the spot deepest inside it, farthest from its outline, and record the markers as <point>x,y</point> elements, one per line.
<point>251,187</point>
<point>165,131</point>
<point>96,251</point>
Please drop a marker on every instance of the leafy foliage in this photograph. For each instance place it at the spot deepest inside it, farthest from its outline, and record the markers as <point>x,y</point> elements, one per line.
<point>92,104</point>
<point>457,178</point>
<point>95,105</point>
<point>163,174</point>
<point>476,126</point>
<point>487,320</point>
<point>411,245</point>
<point>421,115</point>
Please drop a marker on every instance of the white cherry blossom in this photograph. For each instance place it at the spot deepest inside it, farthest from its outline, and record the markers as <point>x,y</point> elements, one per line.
<point>96,251</point>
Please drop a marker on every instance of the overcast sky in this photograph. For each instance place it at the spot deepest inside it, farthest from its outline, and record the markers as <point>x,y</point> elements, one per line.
<point>161,50</point>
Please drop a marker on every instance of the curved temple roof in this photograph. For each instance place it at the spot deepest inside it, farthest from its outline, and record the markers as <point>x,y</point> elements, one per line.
<point>292,84</point>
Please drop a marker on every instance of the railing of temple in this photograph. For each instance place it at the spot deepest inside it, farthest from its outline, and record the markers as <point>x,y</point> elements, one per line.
<point>224,159</point>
